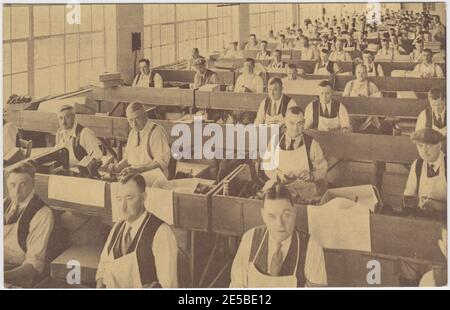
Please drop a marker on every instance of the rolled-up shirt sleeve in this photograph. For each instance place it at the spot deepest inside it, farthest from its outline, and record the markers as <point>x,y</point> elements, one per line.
<point>159,147</point>
<point>319,162</point>
<point>91,143</point>
<point>104,256</point>
<point>159,83</point>
<point>239,269</point>
<point>344,119</point>
<point>315,270</point>
<point>41,227</point>
<point>261,114</point>
<point>411,183</point>
<point>165,251</point>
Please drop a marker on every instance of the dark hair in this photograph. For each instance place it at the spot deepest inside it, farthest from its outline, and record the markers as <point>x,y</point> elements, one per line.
<point>367,52</point>
<point>325,83</point>
<point>277,51</point>
<point>137,178</point>
<point>278,191</point>
<point>282,36</point>
<point>252,35</point>
<point>419,41</point>
<point>296,110</point>
<point>428,51</point>
<point>23,168</point>
<point>264,41</point>
<point>274,80</point>
<point>147,62</point>
<point>292,66</point>
<point>250,60</point>
<point>325,51</point>
<point>436,93</point>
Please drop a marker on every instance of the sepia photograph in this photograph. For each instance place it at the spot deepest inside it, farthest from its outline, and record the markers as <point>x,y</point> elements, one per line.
<point>254,144</point>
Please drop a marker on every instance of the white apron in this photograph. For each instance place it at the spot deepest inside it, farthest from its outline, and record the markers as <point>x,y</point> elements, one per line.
<point>326,124</point>
<point>13,254</point>
<point>138,156</point>
<point>123,272</point>
<point>295,160</point>
<point>435,187</point>
<point>144,80</point>
<point>258,279</point>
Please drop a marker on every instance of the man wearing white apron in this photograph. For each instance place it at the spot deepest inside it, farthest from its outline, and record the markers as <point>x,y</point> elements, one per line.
<point>427,178</point>
<point>361,86</point>
<point>27,226</point>
<point>147,151</point>
<point>435,116</point>
<point>79,140</point>
<point>273,108</point>
<point>146,76</point>
<point>277,254</point>
<point>301,163</point>
<point>325,113</point>
<point>141,250</point>
<point>372,68</point>
<point>428,68</point>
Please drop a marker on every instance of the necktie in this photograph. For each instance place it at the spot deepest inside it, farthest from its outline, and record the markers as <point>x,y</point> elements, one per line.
<point>277,261</point>
<point>126,240</point>
<point>431,172</point>
<point>326,114</point>
<point>439,121</point>
<point>12,214</point>
<point>291,145</point>
<point>138,138</point>
<point>273,109</point>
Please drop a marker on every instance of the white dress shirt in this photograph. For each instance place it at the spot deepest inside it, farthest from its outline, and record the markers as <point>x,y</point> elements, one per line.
<point>144,80</point>
<point>422,120</point>
<point>251,81</point>
<point>344,119</point>
<point>315,271</point>
<point>261,114</point>
<point>432,70</point>
<point>164,249</point>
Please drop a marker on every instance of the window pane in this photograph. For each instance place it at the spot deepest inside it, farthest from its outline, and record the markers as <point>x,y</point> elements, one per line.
<point>6,88</point>
<point>212,25</point>
<point>200,29</point>
<point>41,16</point>
<point>6,23</point>
<point>86,20</point>
<point>156,35</point>
<point>212,10</point>
<point>98,66</point>
<point>190,26</point>
<point>19,57</point>
<point>41,53</point>
<point>147,14</point>
<point>57,19</point>
<point>42,83</point>
<point>97,18</point>
<point>20,84</point>
<point>20,22</point>
<point>148,53</point>
<point>85,72</point>
<point>57,80</point>
<point>57,50</point>
<point>98,44</point>
<point>170,33</point>
<point>170,13</point>
<point>147,37</point>
<point>71,48</point>
<point>163,13</point>
<point>155,13</point>
<point>156,59</point>
<point>72,77</point>
<point>85,46</point>
<point>6,58</point>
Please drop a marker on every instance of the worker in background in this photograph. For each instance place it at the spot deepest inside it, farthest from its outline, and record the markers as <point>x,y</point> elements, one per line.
<point>252,44</point>
<point>141,250</point>
<point>292,82</point>
<point>361,86</point>
<point>27,227</point>
<point>146,76</point>
<point>276,62</point>
<point>233,51</point>
<point>203,75</point>
<point>325,66</point>
<point>195,56</point>
<point>249,81</point>
<point>339,54</point>
<point>80,141</point>
<point>428,68</point>
<point>435,116</point>
<point>273,108</point>
<point>263,54</point>
<point>277,254</point>
<point>147,151</point>
<point>326,113</point>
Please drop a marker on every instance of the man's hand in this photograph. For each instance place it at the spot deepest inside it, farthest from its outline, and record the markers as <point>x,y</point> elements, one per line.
<point>346,130</point>
<point>303,175</point>
<point>432,204</point>
<point>127,171</point>
<point>100,284</point>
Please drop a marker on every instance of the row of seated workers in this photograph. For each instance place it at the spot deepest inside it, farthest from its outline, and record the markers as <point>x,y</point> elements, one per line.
<point>141,250</point>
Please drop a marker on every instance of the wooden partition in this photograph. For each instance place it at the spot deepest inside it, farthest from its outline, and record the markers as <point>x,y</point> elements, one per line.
<point>389,66</point>
<point>186,76</point>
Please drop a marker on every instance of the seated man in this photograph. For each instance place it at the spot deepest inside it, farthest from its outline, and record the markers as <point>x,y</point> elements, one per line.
<point>339,54</point>
<point>147,151</point>
<point>435,116</point>
<point>80,141</point>
<point>146,76</point>
<point>371,68</point>
<point>28,225</point>
<point>283,44</point>
<point>386,52</point>
<point>427,68</point>
<point>252,44</point>
<point>326,113</point>
<point>416,54</point>
<point>248,81</point>
<point>273,108</point>
<point>308,52</point>
<point>325,66</point>
<point>276,62</point>
<point>233,51</point>
<point>361,86</point>
<point>203,75</point>
<point>301,163</point>
<point>263,54</point>
<point>292,82</point>
<point>195,56</point>
<point>277,254</point>
<point>427,177</point>
<point>126,260</point>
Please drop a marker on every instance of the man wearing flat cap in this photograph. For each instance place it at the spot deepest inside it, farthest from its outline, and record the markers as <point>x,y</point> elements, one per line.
<point>427,178</point>
<point>203,75</point>
<point>79,140</point>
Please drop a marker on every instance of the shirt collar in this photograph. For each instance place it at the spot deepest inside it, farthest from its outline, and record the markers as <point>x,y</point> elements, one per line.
<point>439,161</point>
<point>22,205</point>
<point>285,244</point>
<point>136,224</point>
<point>442,114</point>
<point>71,132</point>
